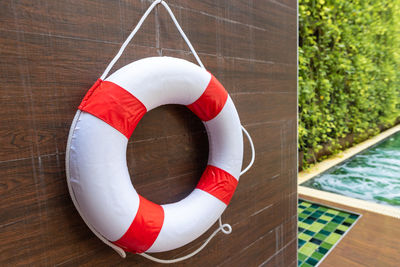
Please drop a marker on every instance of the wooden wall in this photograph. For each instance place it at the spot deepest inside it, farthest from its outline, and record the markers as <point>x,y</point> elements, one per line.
<point>51,52</point>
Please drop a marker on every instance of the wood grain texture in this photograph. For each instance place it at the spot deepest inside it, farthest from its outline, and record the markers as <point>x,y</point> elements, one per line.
<point>53,51</point>
<point>373,241</point>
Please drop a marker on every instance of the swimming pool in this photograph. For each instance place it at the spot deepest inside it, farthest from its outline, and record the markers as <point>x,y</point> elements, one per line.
<point>372,175</point>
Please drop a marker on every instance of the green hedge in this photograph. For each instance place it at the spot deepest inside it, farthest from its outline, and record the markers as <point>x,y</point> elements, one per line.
<point>349,70</point>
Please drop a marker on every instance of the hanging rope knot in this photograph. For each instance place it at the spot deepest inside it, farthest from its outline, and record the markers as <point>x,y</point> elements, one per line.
<point>226,228</point>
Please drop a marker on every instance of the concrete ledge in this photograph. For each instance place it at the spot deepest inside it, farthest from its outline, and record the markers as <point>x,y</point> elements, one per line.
<point>350,202</point>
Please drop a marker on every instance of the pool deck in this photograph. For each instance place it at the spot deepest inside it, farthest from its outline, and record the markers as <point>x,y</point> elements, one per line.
<point>373,241</point>
<point>344,200</point>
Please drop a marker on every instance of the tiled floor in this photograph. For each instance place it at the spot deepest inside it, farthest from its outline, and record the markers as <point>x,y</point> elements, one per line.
<point>320,228</point>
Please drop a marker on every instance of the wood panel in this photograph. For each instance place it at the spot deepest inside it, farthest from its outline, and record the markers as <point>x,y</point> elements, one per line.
<point>53,51</point>
<point>373,241</point>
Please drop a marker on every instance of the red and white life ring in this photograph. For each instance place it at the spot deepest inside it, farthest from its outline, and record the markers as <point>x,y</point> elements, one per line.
<point>96,154</point>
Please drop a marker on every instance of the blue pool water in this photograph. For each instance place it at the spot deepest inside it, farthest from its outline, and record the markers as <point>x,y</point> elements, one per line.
<point>372,175</point>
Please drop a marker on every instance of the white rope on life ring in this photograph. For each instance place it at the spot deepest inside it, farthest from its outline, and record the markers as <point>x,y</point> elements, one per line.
<point>97,174</point>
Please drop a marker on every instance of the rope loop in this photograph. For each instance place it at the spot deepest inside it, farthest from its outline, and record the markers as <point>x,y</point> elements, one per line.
<point>226,229</point>
<point>136,29</point>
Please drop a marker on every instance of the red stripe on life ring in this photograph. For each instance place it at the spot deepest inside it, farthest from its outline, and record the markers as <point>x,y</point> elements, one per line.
<point>114,105</point>
<point>211,102</point>
<point>218,183</point>
<point>144,229</point>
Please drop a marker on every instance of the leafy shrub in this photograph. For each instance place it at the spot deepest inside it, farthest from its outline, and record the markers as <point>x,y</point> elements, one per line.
<point>349,70</point>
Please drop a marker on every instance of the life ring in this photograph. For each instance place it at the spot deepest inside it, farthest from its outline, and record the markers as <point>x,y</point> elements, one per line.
<point>96,154</point>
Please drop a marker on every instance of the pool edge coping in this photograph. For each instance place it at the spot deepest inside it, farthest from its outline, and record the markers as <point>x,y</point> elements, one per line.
<point>340,199</point>
<point>350,202</point>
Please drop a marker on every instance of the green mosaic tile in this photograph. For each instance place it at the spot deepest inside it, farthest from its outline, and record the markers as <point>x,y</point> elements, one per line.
<point>317,255</point>
<point>329,228</point>
<point>345,215</point>
<point>349,220</point>
<point>334,224</point>
<point>316,227</point>
<point>304,237</point>
<point>342,227</point>
<point>320,228</point>
<point>303,225</point>
<point>320,236</point>
<point>333,238</point>
<point>324,232</point>
<point>338,219</point>
<point>301,243</point>
<point>312,261</point>
<point>322,250</point>
<point>326,245</point>
<point>310,209</point>
<point>326,218</point>
<point>331,211</point>
<point>306,265</point>
<point>308,249</point>
<point>303,216</point>
<point>302,257</point>
<point>308,232</point>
